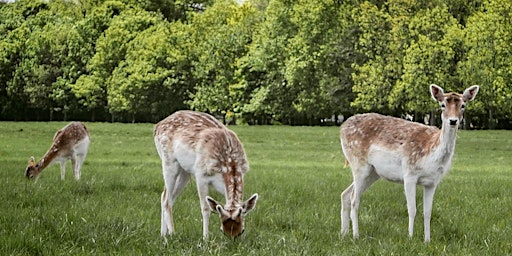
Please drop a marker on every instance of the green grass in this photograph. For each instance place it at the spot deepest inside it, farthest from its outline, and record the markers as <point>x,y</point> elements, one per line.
<point>298,172</point>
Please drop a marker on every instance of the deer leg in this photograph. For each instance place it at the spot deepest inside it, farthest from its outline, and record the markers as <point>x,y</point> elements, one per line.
<point>410,196</point>
<point>79,162</point>
<point>63,169</point>
<point>181,182</point>
<point>165,215</point>
<point>367,176</point>
<point>345,209</point>
<point>80,159</point>
<point>170,172</point>
<point>167,203</point>
<point>75,164</point>
<point>202,190</point>
<point>428,199</point>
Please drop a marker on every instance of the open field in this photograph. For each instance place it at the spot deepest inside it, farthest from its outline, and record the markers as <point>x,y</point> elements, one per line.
<point>298,172</point>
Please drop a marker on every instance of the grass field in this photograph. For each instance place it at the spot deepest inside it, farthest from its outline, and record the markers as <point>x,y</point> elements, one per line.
<point>297,171</point>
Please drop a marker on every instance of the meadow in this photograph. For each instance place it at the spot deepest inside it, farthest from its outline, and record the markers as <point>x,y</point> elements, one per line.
<point>298,172</point>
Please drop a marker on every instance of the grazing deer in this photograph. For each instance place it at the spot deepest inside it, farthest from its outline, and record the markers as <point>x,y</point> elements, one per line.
<point>194,143</point>
<point>70,142</point>
<point>397,150</point>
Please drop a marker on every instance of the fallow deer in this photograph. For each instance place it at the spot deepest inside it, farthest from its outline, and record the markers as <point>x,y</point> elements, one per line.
<point>196,144</point>
<point>397,150</point>
<point>70,142</point>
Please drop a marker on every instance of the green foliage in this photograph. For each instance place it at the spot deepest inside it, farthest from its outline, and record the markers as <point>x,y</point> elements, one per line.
<point>311,67</point>
<point>371,78</point>
<point>225,30</point>
<point>260,61</point>
<point>298,172</point>
<point>263,66</point>
<point>489,58</point>
<point>431,56</point>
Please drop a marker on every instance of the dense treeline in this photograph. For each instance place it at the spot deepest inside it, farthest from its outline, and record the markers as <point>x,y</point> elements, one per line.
<point>292,62</point>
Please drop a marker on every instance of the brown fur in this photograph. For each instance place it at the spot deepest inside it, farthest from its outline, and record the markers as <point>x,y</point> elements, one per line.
<point>412,139</point>
<point>218,152</point>
<point>397,150</point>
<point>63,142</point>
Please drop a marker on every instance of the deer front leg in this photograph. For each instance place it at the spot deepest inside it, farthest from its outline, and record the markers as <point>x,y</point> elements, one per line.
<point>428,199</point>
<point>202,190</point>
<point>410,196</point>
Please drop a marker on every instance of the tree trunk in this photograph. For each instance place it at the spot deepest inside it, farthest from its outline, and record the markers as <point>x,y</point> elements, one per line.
<point>432,118</point>
<point>491,121</point>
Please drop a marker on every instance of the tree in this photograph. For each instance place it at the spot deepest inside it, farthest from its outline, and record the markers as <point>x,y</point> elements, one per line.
<point>430,58</point>
<point>39,77</point>
<point>110,48</point>
<point>222,35</point>
<point>11,33</point>
<point>311,68</point>
<point>148,79</point>
<point>262,69</point>
<point>372,78</point>
<point>489,60</point>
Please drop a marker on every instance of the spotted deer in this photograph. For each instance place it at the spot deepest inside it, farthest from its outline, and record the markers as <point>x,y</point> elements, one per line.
<point>195,144</point>
<point>397,150</point>
<point>70,142</point>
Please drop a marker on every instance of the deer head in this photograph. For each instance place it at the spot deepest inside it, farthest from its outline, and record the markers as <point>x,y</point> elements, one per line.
<point>32,169</point>
<point>232,218</point>
<point>452,104</point>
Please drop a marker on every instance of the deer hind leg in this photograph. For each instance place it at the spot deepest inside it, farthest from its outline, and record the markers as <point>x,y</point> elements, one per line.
<point>364,177</point>
<point>345,209</point>
<point>76,164</point>
<point>78,158</point>
<point>181,182</point>
<point>168,202</point>
<point>170,173</point>
<point>63,169</point>
<point>77,168</point>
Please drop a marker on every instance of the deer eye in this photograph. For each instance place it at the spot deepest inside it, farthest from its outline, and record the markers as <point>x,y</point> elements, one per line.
<point>443,105</point>
<point>463,106</point>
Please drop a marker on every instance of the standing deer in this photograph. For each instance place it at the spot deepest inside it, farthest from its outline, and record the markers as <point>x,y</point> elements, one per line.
<point>397,150</point>
<point>194,143</point>
<point>70,142</point>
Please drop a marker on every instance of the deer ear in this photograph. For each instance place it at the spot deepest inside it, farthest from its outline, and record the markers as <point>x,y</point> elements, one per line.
<point>212,203</point>
<point>470,93</point>
<point>436,92</point>
<point>31,161</point>
<point>250,203</point>
<point>215,206</point>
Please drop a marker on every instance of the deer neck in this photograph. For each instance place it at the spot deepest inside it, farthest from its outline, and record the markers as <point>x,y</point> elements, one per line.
<point>234,189</point>
<point>447,139</point>
<point>47,159</point>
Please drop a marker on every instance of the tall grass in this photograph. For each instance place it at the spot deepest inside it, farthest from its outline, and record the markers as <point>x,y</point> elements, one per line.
<point>298,172</point>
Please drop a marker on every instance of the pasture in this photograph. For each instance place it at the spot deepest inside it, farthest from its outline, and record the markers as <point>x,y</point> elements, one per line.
<point>298,172</point>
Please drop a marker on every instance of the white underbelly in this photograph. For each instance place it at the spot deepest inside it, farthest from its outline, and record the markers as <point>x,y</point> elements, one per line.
<point>392,166</point>
<point>387,164</point>
<point>185,156</point>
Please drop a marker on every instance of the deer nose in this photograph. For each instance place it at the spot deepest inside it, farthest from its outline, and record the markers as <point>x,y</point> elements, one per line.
<point>453,121</point>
